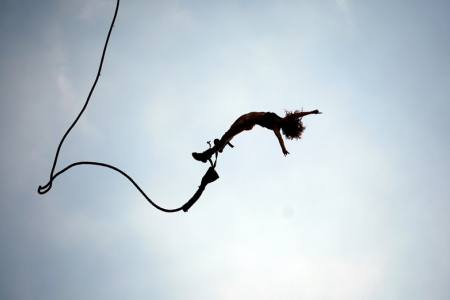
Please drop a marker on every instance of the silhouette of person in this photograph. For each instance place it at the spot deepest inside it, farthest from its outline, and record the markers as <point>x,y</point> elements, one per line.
<point>291,126</point>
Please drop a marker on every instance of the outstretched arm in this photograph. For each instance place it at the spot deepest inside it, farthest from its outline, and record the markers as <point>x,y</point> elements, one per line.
<point>305,113</point>
<point>280,140</point>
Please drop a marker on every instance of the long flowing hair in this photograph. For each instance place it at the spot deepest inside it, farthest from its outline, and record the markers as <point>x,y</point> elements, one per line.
<point>292,126</point>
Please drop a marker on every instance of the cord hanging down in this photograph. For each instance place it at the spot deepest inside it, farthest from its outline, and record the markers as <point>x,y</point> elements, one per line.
<point>210,176</point>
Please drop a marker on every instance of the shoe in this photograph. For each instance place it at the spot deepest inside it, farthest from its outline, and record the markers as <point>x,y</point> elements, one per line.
<point>200,157</point>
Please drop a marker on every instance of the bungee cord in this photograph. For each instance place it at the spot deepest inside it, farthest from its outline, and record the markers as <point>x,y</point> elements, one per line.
<point>94,163</point>
<point>210,176</point>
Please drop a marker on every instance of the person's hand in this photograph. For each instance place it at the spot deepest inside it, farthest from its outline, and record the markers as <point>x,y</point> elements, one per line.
<point>316,111</point>
<point>285,152</point>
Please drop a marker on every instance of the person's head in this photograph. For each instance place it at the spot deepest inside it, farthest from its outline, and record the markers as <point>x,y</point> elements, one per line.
<point>292,126</point>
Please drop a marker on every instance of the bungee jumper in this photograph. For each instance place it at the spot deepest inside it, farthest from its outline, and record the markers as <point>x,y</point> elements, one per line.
<point>290,125</point>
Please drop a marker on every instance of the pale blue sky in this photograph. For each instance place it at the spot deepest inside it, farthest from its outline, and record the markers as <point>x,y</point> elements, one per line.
<point>358,210</point>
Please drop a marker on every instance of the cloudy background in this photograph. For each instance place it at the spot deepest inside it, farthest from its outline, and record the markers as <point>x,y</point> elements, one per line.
<point>358,210</point>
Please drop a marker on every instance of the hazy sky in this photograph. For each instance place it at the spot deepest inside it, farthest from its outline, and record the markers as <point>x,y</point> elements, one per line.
<point>358,210</point>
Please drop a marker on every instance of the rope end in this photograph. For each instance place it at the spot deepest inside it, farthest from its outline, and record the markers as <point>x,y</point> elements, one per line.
<point>44,189</point>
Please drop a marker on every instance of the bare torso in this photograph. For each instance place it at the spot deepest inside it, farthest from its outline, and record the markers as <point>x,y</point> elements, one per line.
<point>267,120</point>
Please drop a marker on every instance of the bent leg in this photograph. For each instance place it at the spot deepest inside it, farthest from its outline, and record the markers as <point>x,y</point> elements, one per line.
<point>218,146</point>
<point>241,124</point>
<point>237,127</point>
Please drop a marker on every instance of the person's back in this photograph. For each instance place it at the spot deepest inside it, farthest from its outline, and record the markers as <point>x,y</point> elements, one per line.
<point>269,120</point>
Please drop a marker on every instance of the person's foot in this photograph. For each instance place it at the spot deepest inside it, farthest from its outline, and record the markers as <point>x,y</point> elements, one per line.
<point>200,157</point>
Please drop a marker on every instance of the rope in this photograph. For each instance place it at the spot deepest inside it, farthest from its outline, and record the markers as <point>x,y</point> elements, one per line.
<point>94,163</point>
<point>209,177</point>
